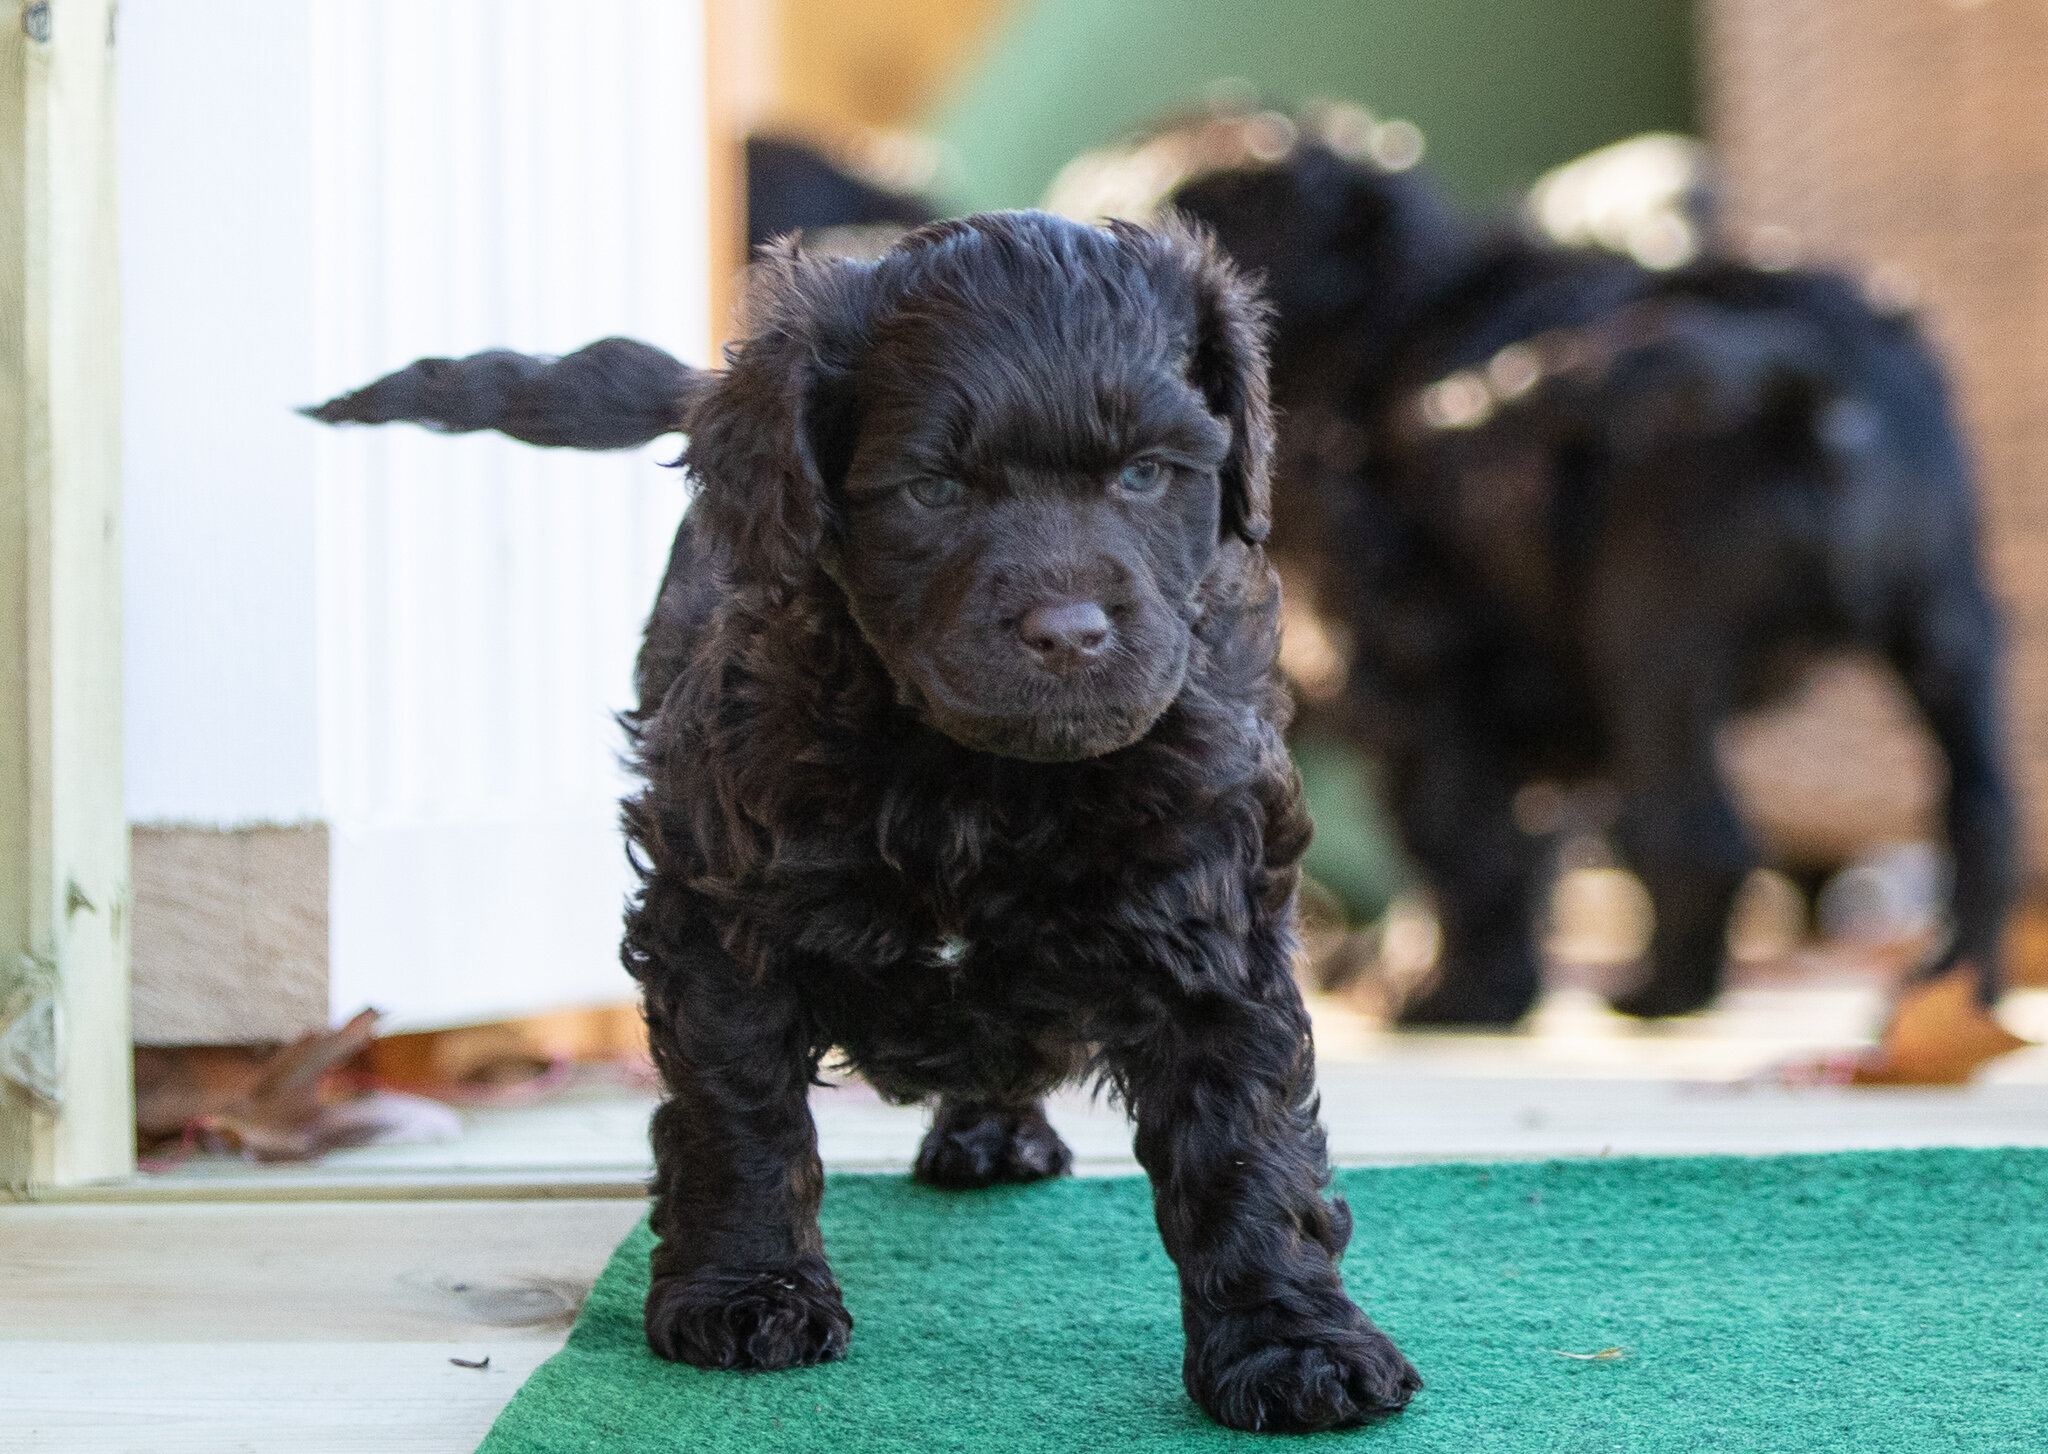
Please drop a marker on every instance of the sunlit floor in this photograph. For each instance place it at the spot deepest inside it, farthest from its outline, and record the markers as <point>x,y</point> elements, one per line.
<point>1580,1081</point>
<point>224,1307</point>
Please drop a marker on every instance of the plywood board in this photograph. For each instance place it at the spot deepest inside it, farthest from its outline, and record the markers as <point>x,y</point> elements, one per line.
<point>230,934</point>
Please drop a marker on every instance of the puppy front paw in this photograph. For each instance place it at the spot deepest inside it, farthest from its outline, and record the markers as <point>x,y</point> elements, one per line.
<point>966,1149</point>
<point>786,1318</point>
<point>1332,1378</point>
<point>1661,997</point>
<point>1458,998</point>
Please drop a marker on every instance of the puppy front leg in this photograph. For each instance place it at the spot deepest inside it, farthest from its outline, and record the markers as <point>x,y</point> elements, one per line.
<point>740,1277</point>
<point>1685,843</point>
<point>1679,832</point>
<point>1453,797</point>
<point>1227,1131</point>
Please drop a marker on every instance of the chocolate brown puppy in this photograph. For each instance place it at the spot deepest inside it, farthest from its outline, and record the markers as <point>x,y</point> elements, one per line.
<point>961,740</point>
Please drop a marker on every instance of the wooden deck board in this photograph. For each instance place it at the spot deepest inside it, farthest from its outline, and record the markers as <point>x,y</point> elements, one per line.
<point>323,1328</point>
<point>302,1272</point>
<point>258,1398</point>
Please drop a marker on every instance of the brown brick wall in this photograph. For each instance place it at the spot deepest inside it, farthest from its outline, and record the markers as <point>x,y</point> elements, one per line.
<point>1909,139</point>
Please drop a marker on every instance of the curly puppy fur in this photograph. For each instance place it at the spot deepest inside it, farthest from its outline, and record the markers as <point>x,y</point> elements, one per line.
<point>1681,486</point>
<point>961,737</point>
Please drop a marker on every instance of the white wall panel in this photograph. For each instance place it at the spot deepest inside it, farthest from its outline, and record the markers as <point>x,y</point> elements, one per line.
<point>461,613</point>
<point>526,174</point>
<point>221,678</point>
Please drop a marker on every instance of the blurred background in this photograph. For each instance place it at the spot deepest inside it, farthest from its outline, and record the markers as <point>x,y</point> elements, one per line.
<point>369,677</point>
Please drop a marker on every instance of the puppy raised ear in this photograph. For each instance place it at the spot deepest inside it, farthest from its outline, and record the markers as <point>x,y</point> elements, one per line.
<point>770,441</point>
<point>1227,362</point>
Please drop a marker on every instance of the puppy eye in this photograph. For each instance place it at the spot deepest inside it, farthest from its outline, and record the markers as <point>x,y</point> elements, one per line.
<point>936,493</point>
<point>1142,477</point>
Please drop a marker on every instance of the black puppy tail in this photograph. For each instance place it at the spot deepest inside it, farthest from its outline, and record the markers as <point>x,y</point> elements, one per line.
<point>614,394</point>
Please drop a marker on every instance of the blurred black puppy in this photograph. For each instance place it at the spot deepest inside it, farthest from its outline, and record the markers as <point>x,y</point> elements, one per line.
<point>795,188</point>
<point>1574,513</point>
<point>962,745</point>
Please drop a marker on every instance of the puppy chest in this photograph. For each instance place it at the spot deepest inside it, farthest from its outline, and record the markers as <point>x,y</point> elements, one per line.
<point>961,1016</point>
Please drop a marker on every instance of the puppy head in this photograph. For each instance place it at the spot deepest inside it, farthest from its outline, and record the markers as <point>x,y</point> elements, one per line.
<point>1017,446</point>
<point>1341,244</point>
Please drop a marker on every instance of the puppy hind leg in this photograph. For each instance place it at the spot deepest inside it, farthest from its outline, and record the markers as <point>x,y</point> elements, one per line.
<point>974,1144</point>
<point>1226,1128</point>
<point>1948,657</point>
<point>739,1272</point>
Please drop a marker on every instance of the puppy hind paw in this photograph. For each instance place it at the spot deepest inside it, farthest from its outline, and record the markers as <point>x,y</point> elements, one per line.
<point>966,1152</point>
<point>782,1318</point>
<point>1349,1376</point>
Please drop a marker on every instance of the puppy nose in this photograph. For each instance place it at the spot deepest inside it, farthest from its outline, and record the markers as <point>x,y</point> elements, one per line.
<point>1065,635</point>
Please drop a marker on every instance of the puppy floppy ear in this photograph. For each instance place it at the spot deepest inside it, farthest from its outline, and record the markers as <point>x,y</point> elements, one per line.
<point>1228,364</point>
<point>770,442</point>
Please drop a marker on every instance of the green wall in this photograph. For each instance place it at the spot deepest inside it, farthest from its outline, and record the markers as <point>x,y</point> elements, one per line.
<point>1501,88</point>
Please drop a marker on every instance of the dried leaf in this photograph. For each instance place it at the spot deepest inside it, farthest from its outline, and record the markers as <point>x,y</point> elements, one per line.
<point>1605,1355</point>
<point>295,1110</point>
<point>293,1074</point>
<point>483,1362</point>
<point>384,1117</point>
<point>1939,1035</point>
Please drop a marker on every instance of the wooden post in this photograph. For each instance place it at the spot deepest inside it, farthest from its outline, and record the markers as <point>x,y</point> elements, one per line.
<point>66,1100</point>
<point>738,55</point>
<point>820,69</point>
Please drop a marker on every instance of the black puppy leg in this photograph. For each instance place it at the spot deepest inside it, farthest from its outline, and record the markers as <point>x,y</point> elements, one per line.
<point>1949,658</point>
<point>1227,1130</point>
<point>1687,847</point>
<point>740,1278</point>
<point>975,1144</point>
<point>1681,836</point>
<point>1454,801</point>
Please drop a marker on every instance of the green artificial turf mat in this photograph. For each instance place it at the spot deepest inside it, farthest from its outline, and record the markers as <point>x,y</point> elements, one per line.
<point>1893,1301</point>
